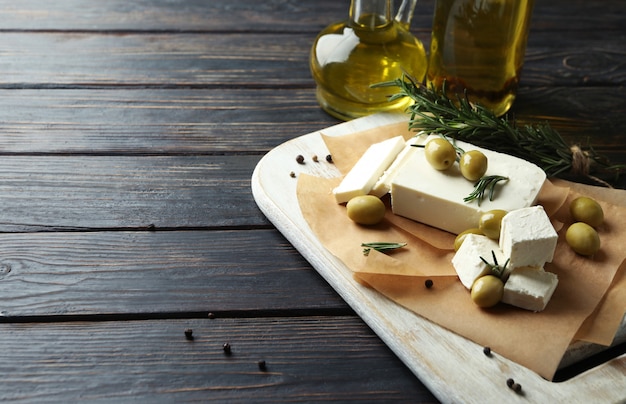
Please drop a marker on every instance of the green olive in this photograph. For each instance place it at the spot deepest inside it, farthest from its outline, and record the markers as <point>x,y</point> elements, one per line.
<point>582,238</point>
<point>440,153</point>
<point>587,210</point>
<point>366,209</point>
<point>461,237</point>
<point>490,221</point>
<point>487,291</point>
<point>473,165</point>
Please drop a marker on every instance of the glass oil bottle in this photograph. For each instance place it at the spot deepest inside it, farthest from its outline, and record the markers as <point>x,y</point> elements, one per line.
<point>369,48</point>
<point>478,46</point>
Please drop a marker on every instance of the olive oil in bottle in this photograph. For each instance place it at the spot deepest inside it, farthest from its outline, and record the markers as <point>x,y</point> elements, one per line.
<point>371,47</point>
<point>478,46</point>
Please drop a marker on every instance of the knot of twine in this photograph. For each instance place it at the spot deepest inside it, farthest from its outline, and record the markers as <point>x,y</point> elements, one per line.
<point>580,162</point>
<point>581,166</point>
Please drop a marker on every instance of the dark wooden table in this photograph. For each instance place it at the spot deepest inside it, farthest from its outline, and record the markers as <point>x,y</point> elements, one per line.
<point>129,131</point>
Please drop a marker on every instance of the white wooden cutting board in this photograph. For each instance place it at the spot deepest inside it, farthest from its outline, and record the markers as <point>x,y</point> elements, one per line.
<point>452,367</point>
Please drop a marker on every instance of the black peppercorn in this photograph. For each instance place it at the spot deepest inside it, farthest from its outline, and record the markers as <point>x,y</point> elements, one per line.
<point>329,158</point>
<point>189,334</point>
<point>428,283</point>
<point>510,383</point>
<point>487,351</point>
<point>227,349</point>
<point>262,365</point>
<point>300,159</point>
<point>211,316</point>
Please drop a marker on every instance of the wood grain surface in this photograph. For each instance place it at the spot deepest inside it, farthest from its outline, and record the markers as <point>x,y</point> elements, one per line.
<point>128,135</point>
<point>156,273</point>
<point>275,60</point>
<point>312,358</point>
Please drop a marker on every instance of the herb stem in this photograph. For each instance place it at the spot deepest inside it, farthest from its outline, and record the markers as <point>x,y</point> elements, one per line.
<point>380,246</point>
<point>495,268</point>
<point>434,112</point>
<point>487,183</point>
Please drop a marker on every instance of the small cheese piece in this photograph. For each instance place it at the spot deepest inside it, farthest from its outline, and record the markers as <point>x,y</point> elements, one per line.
<point>467,262</point>
<point>368,169</point>
<point>529,288</point>
<point>421,193</point>
<point>383,185</point>
<point>527,237</point>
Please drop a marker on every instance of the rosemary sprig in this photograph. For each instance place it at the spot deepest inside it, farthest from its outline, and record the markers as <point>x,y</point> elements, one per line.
<point>380,246</point>
<point>434,112</point>
<point>489,183</point>
<point>495,268</point>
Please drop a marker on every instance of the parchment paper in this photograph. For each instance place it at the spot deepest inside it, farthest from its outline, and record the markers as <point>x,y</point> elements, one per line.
<point>589,302</point>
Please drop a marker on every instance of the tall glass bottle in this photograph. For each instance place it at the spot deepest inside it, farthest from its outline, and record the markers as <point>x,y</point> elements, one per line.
<point>479,46</point>
<point>370,47</point>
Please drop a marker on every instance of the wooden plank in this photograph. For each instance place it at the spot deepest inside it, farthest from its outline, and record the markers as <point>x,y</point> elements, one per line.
<point>102,192</point>
<point>272,16</point>
<point>31,60</point>
<point>559,61</point>
<point>578,15</point>
<point>226,121</point>
<point>139,274</point>
<point>163,15</point>
<point>307,359</point>
<point>149,121</point>
<point>578,113</point>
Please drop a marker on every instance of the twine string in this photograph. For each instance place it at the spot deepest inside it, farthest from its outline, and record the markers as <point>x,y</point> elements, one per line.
<point>581,166</point>
<point>580,162</point>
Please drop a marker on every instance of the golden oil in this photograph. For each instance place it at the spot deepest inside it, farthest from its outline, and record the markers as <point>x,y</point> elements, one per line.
<point>479,46</point>
<point>348,57</point>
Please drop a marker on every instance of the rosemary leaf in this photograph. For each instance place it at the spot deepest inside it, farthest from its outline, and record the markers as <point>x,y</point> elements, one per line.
<point>495,268</point>
<point>380,246</point>
<point>487,183</point>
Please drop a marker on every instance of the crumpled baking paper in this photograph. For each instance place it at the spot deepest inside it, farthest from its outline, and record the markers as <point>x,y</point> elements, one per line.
<point>588,304</point>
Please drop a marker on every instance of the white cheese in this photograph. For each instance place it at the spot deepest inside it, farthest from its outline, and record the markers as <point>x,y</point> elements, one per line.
<point>421,193</point>
<point>383,185</point>
<point>467,262</point>
<point>368,169</point>
<point>527,237</point>
<point>529,288</point>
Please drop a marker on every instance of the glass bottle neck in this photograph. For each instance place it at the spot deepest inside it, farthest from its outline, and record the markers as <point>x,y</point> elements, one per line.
<point>370,14</point>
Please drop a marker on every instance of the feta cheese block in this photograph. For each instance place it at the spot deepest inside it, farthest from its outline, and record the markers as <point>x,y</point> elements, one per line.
<point>529,288</point>
<point>421,193</point>
<point>368,169</point>
<point>527,237</point>
<point>467,262</point>
<point>383,185</point>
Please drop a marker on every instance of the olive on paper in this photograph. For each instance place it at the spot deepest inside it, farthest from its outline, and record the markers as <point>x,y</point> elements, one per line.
<point>366,209</point>
<point>487,291</point>
<point>587,210</point>
<point>582,238</point>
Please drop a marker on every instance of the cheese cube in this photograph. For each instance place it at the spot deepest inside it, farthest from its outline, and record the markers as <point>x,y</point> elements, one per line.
<point>467,262</point>
<point>421,193</point>
<point>527,237</point>
<point>368,169</point>
<point>529,288</point>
